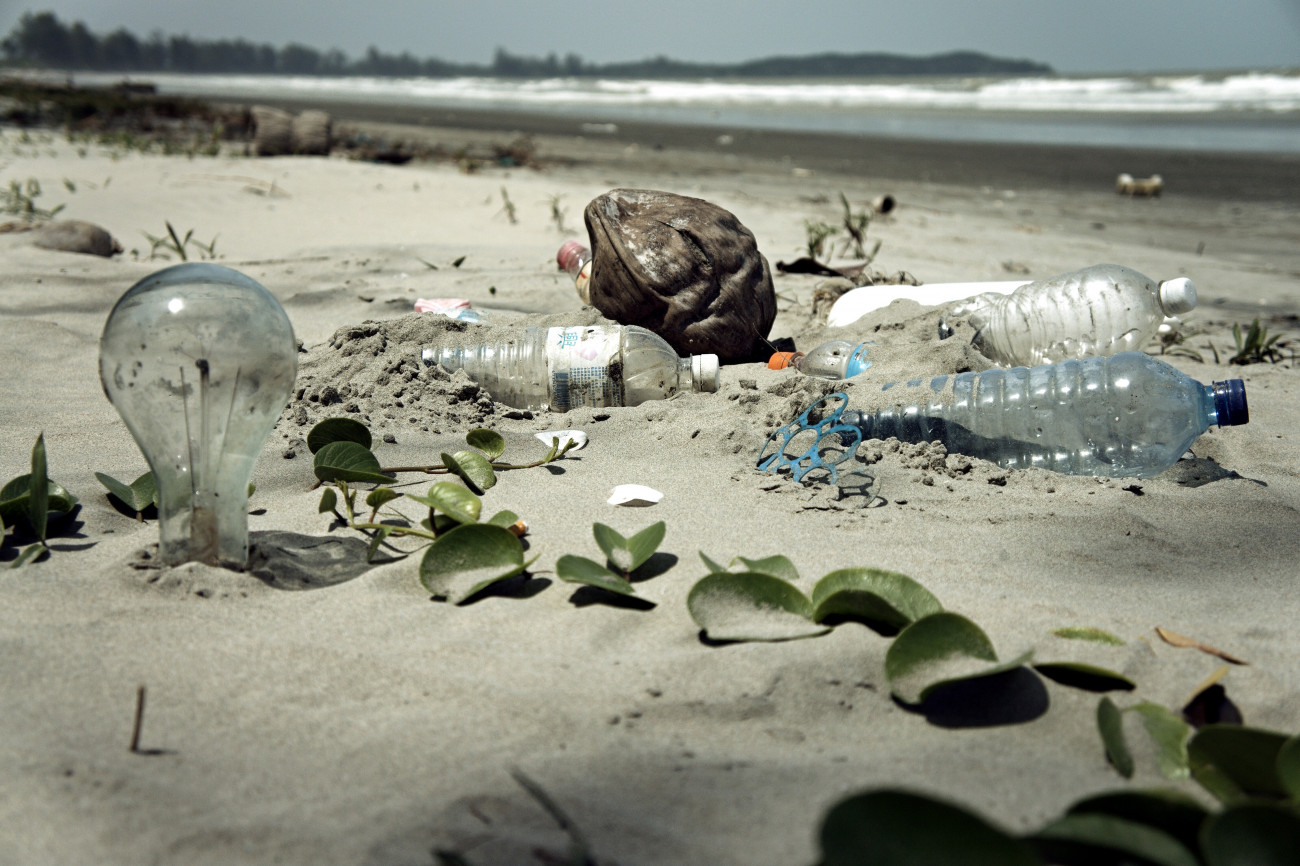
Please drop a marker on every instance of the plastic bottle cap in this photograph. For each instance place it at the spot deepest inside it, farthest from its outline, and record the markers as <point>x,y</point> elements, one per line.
<point>1177,296</point>
<point>1230,403</point>
<point>704,370</point>
<point>569,254</point>
<point>781,360</point>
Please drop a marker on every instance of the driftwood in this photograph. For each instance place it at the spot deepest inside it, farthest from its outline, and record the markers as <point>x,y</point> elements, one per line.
<point>311,133</point>
<point>682,267</point>
<point>75,236</point>
<point>278,133</point>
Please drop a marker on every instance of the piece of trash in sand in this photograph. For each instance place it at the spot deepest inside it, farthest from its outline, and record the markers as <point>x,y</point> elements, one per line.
<point>1099,310</point>
<point>577,437</point>
<point>856,303</point>
<point>575,259</point>
<point>634,496</point>
<point>452,308</point>
<point>558,369</point>
<point>1123,416</point>
<point>883,204</point>
<point>833,443</point>
<point>836,359</point>
<point>683,267</point>
<point>1127,184</point>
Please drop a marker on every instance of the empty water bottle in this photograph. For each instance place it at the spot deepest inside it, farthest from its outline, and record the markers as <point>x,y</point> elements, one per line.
<point>838,359</point>
<point>1120,416</point>
<point>562,368</point>
<point>1100,310</point>
<point>575,259</point>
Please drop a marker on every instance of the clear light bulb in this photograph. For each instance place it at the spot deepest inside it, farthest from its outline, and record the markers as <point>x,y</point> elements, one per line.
<point>199,360</point>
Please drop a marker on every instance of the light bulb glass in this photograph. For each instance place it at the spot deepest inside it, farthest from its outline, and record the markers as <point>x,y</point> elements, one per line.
<point>199,360</point>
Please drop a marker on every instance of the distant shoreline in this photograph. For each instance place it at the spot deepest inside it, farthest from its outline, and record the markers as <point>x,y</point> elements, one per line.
<point>1218,176</point>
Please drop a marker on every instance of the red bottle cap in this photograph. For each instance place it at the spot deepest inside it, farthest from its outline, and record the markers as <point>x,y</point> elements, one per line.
<point>570,256</point>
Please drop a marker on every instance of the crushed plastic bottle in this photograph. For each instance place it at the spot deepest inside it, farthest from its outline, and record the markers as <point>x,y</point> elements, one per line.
<point>1128,415</point>
<point>563,368</point>
<point>837,359</point>
<point>1099,310</point>
<point>575,259</point>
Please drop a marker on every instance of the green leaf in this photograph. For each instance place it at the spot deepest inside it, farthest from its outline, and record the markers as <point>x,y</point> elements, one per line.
<point>938,649</point>
<point>329,500</point>
<point>505,519</point>
<point>713,567</point>
<point>452,500</point>
<point>38,502</point>
<point>643,545</point>
<point>1086,633</point>
<point>376,540</point>
<point>749,605</point>
<point>32,552</point>
<point>896,828</point>
<point>1080,675</point>
<point>470,558</point>
<point>338,430</point>
<point>579,569</point>
<point>1167,810</point>
<point>348,461</point>
<point>612,543</point>
<point>777,566</point>
<point>472,468</point>
<point>883,600</point>
<point>628,554</point>
<point>1169,733</point>
<point>1086,839</point>
<point>137,496</point>
<point>15,495</point>
<point>1234,763</point>
<point>1288,767</point>
<point>1252,834</point>
<point>490,442</point>
<point>1110,724</point>
<point>380,496</point>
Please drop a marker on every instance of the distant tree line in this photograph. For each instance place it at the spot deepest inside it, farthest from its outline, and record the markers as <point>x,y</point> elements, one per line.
<point>43,40</point>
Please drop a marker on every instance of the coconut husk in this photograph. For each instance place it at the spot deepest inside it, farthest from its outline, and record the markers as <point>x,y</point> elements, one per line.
<point>682,267</point>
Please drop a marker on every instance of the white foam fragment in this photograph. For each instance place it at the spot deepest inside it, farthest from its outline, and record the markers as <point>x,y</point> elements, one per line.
<point>634,495</point>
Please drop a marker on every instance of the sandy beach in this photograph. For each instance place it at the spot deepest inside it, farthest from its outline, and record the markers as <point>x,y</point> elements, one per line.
<point>357,721</point>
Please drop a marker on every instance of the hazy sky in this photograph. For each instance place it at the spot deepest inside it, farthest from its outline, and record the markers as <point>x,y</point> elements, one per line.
<point>1071,35</point>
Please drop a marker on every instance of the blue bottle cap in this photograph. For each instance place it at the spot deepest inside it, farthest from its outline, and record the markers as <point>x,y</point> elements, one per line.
<point>1230,403</point>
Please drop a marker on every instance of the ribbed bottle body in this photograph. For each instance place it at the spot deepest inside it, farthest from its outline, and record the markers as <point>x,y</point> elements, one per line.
<point>1128,415</point>
<point>1101,310</point>
<point>513,371</point>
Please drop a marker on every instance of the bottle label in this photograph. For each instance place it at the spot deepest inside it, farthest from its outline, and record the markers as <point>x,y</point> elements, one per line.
<point>585,367</point>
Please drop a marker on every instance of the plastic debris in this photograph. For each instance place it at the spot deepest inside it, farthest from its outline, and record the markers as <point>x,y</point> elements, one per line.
<point>634,496</point>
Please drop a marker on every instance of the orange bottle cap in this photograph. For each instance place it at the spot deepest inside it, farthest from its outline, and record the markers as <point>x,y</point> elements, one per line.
<point>781,360</point>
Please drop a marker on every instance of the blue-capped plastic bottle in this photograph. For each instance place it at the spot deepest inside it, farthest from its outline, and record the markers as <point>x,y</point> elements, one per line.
<point>1127,415</point>
<point>838,359</point>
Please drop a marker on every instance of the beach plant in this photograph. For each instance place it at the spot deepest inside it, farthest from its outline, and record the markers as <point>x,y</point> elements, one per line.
<point>855,228</point>
<point>138,496</point>
<point>32,501</point>
<point>623,557</point>
<point>174,243</point>
<point>19,199</point>
<point>508,207</point>
<point>1255,346</point>
<point>817,233</point>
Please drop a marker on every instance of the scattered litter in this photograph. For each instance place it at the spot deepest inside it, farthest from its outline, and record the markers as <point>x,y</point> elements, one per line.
<point>855,304</point>
<point>1126,184</point>
<point>577,437</point>
<point>634,496</point>
<point>839,441</point>
<point>440,305</point>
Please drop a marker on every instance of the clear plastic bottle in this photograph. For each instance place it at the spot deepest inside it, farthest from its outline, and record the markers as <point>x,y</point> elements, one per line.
<point>837,359</point>
<point>575,258</point>
<point>1128,415</point>
<point>562,368</point>
<point>1099,310</point>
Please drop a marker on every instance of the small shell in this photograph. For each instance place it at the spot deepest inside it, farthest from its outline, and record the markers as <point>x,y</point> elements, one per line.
<point>578,438</point>
<point>634,495</point>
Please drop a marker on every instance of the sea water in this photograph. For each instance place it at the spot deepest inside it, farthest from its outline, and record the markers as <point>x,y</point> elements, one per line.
<point>1249,111</point>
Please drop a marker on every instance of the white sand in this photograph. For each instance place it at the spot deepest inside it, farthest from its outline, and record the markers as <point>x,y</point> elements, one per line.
<point>364,724</point>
